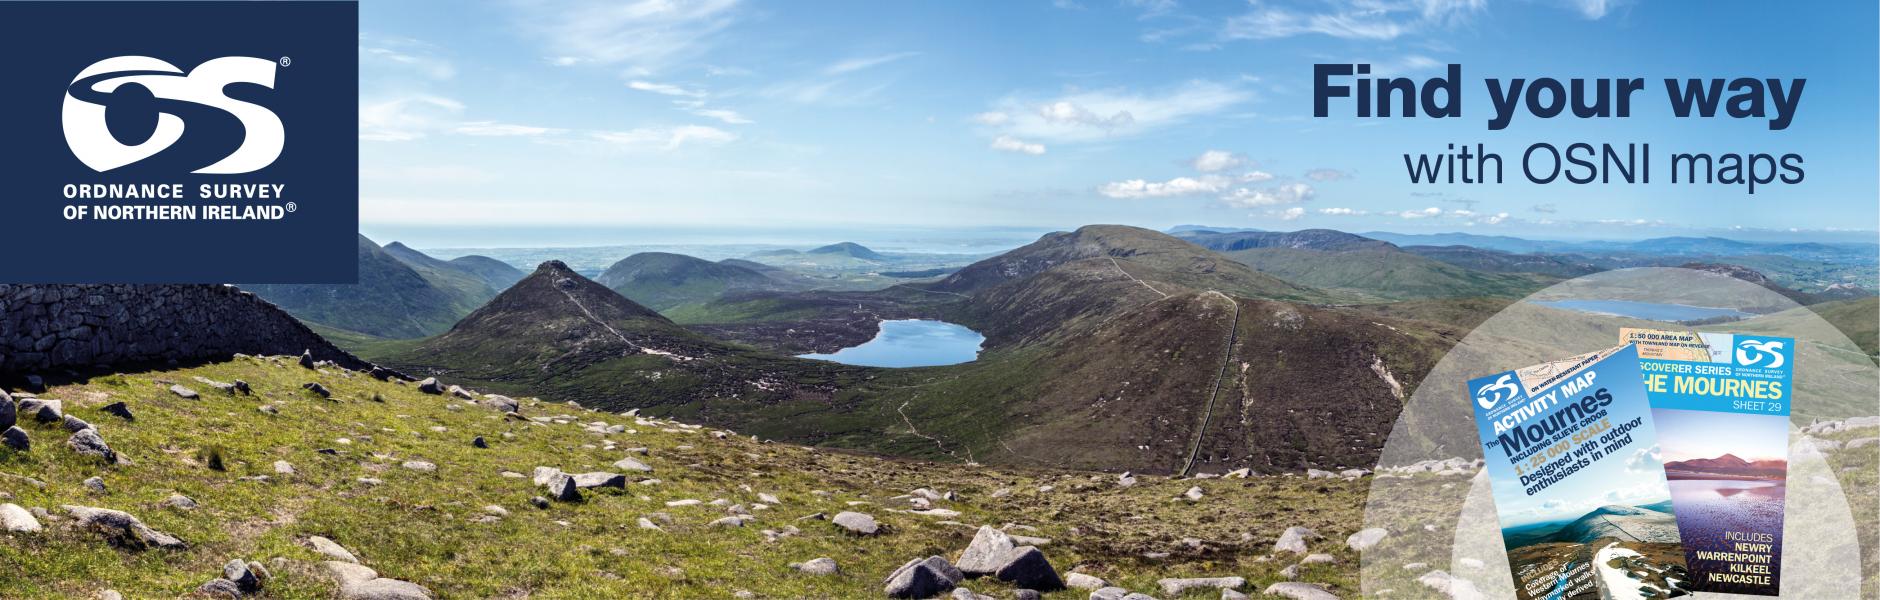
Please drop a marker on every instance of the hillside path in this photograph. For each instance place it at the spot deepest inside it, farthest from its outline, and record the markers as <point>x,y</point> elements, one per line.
<point>1227,360</point>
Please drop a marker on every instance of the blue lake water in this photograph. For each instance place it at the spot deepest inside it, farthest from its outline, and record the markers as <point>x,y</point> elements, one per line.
<point>1650,311</point>
<point>911,343</point>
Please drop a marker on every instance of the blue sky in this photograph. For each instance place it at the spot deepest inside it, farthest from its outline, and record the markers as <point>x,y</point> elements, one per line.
<point>761,116</point>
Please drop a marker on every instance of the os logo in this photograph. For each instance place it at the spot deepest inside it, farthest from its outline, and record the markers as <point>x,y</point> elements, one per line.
<point>1495,393</point>
<point>1750,353</point>
<point>88,124</point>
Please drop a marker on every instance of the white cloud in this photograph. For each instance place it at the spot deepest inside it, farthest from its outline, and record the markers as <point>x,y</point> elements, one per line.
<point>1179,186</point>
<point>1290,213</point>
<point>1217,160</point>
<point>729,117</point>
<point>993,118</point>
<point>663,89</point>
<point>1327,175</point>
<point>647,35</point>
<point>406,118</point>
<point>492,128</point>
<point>1595,9</point>
<point>1012,144</point>
<point>411,55</point>
<point>1420,214</point>
<point>852,65</point>
<point>1255,176</point>
<point>1374,20</point>
<point>1291,193</point>
<point>1098,115</point>
<point>1343,212</point>
<point>666,138</point>
<point>1494,219</point>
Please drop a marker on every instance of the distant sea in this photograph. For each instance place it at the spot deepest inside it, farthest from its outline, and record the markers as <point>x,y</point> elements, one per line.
<point>449,242</point>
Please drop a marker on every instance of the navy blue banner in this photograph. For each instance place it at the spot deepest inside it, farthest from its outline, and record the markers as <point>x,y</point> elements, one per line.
<point>180,142</point>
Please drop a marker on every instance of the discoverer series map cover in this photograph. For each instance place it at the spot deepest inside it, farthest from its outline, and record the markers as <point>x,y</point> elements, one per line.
<point>1722,402</point>
<point>1572,457</point>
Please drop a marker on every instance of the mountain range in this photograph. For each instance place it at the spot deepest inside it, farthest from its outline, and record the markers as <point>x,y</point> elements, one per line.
<point>1728,466</point>
<point>401,293</point>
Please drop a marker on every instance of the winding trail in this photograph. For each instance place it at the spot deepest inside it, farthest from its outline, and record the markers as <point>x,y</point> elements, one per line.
<point>1227,359</point>
<point>1119,269</point>
<point>610,329</point>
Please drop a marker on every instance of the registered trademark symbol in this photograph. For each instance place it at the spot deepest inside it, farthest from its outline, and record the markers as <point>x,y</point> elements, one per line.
<point>291,207</point>
<point>287,61</point>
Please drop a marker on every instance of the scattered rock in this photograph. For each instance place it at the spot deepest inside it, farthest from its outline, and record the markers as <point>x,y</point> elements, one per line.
<point>857,523</point>
<point>1232,595</point>
<point>1177,587</point>
<point>539,502</point>
<point>96,485</point>
<point>600,479</point>
<point>74,424</point>
<point>922,578</point>
<point>245,580</point>
<point>330,549</point>
<point>459,392</point>
<point>16,438</point>
<point>87,442</point>
<point>1367,538</point>
<point>220,588</point>
<point>960,593</point>
<point>1451,586</point>
<point>121,529</point>
<point>1084,581</point>
<point>180,502</point>
<point>1318,559</point>
<point>1026,567</point>
<point>431,386</point>
<point>118,409</point>
<point>986,553</point>
<point>42,409</point>
<point>282,467</point>
<point>360,583</point>
<point>479,443</point>
<point>1193,494</point>
<point>242,386</point>
<point>14,519</point>
<point>628,464</point>
<point>815,566</point>
<point>317,389</point>
<point>420,466</point>
<point>563,488</point>
<point>184,393</point>
<point>1294,540</point>
<point>1299,591</point>
<point>9,413</point>
<point>306,359</point>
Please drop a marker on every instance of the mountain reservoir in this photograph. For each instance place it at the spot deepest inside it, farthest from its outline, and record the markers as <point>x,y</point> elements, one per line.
<point>911,343</point>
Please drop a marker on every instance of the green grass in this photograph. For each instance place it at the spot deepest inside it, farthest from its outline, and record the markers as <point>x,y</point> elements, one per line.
<point>416,526</point>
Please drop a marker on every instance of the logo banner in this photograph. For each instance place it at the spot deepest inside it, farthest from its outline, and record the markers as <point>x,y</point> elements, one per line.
<point>180,142</point>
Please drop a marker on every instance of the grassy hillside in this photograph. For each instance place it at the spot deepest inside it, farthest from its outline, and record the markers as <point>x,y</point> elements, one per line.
<point>1385,273</point>
<point>391,299</point>
<point>433,527</point>
<point>665,282</point>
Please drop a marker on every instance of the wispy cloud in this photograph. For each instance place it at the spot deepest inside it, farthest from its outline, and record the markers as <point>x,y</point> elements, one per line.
<point>665,138</point>
<point>645,35</point>
<point>1012,144</point>
<point>852,65</point>
<point>1213,161</point>
<point>407,117</point>
<point>495,129</point>
<point>1373,20</point>
<point>1087,116</point>
<point>666,89</point>
<point>1290,193</point>
<point>1327,175</point>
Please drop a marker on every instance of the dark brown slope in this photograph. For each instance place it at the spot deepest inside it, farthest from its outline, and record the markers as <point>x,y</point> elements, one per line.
<point>1298,387</point>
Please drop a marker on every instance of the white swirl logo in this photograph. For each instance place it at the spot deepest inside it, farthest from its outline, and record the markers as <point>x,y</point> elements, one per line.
<point>1496,393</point>
<point>88,132</point>
<point>1750,353</point>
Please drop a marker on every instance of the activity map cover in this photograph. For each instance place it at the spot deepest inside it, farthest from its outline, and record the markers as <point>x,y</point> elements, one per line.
<point>1572,458</point>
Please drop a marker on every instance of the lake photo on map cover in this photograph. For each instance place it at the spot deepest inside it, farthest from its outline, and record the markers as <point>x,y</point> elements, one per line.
<point>1707,508</point>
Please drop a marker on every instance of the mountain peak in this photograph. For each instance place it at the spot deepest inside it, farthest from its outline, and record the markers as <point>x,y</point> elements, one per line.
<point>552,266</point>
<point>849,249</point>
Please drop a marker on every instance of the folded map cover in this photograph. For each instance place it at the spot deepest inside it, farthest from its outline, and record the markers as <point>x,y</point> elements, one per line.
<point>1572,459</point>
<point>1721,402</point>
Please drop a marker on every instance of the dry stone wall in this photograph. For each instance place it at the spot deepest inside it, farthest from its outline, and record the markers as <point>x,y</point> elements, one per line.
<point>48,327</point>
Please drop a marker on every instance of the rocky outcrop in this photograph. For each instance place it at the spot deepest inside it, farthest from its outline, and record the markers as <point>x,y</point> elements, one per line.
<point>80,326</point>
